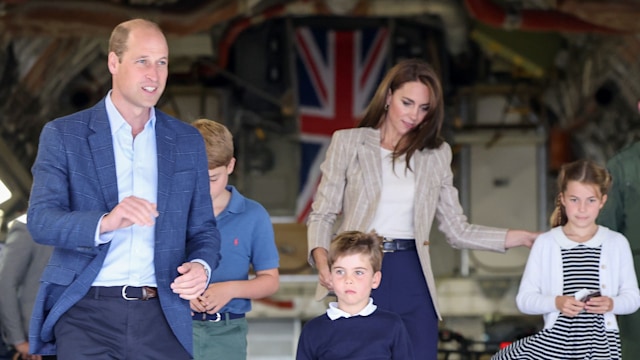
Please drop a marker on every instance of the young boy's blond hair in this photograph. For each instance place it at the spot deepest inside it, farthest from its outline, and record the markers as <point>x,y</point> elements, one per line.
<point>217,140</point>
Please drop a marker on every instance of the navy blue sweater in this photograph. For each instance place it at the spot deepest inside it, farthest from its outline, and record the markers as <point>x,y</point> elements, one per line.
<point>381,335</point>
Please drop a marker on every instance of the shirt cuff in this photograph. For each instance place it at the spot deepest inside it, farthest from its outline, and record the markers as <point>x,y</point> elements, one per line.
<point>102,238</point>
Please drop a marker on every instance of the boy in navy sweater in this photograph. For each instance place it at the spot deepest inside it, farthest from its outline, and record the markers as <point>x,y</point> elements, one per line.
<point>353,327</point>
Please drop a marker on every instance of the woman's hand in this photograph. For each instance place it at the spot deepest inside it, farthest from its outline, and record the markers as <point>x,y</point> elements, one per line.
<point>520,238</point>
<point>322,265</point>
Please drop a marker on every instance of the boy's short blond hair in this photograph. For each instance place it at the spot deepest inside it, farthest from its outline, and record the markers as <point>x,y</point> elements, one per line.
<point>218,142</point>
<point>357,242</point>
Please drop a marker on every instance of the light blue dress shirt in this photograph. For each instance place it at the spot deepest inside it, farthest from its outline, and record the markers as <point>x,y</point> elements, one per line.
<point>130,257</point>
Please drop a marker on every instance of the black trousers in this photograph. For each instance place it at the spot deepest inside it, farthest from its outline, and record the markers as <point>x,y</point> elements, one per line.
<point>102,328</point>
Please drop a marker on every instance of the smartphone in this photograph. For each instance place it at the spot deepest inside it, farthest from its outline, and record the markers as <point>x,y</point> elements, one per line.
<point>590,295</point>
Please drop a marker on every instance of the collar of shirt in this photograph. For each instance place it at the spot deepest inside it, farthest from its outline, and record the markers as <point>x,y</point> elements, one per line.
<point>236,203</point>
<point>566,243</point>
<point>334,313</point>
<point>116,121</point>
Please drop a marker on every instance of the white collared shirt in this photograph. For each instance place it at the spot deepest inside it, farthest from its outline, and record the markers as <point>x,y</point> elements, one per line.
<point>334,313</point>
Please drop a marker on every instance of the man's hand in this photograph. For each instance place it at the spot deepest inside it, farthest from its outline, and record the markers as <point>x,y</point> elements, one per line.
<point>131,210</point>
<point>191,282</point>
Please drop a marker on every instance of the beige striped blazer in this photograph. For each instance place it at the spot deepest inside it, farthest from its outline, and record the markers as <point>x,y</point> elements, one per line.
<point>348,196</point>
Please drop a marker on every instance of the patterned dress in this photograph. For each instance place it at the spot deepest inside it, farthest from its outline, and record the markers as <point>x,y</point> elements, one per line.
<point>583,337</point>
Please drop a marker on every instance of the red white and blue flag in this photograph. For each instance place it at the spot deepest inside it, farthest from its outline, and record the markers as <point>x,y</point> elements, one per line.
<point>337,73</point>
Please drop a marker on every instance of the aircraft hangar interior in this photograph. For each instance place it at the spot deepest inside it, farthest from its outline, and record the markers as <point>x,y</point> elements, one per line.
<point>528,86</point>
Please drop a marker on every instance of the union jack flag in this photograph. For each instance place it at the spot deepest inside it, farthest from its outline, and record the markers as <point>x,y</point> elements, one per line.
<point>337,74</point>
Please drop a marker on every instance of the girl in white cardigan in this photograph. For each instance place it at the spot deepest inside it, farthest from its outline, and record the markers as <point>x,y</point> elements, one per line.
<point>578,276</point>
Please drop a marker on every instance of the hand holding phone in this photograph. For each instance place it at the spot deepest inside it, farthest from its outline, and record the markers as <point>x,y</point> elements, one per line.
<point>590,295</point>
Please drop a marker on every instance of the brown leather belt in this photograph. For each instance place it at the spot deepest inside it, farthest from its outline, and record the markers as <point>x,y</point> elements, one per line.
<point>125,292</point>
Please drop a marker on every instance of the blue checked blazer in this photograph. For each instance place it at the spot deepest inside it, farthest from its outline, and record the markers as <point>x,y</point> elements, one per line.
<point>75,184</point>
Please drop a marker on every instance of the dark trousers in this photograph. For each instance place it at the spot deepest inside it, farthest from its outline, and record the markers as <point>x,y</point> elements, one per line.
<point>404,291</point>
<point>99,327</point>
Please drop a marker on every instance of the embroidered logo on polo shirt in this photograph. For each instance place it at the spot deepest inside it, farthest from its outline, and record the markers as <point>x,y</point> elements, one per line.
<point>235,242</point>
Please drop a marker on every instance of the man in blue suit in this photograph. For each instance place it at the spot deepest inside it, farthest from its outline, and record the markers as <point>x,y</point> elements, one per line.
<point>121,190</point>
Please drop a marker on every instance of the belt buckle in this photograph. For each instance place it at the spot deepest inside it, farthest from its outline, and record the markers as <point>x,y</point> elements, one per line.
<point>218,317</point>
<point>124,294</point>
<point>144,294</point>
<point>387,240</point>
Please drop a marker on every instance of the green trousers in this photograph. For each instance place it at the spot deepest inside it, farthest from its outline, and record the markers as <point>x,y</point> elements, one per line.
<point>223,340</point>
